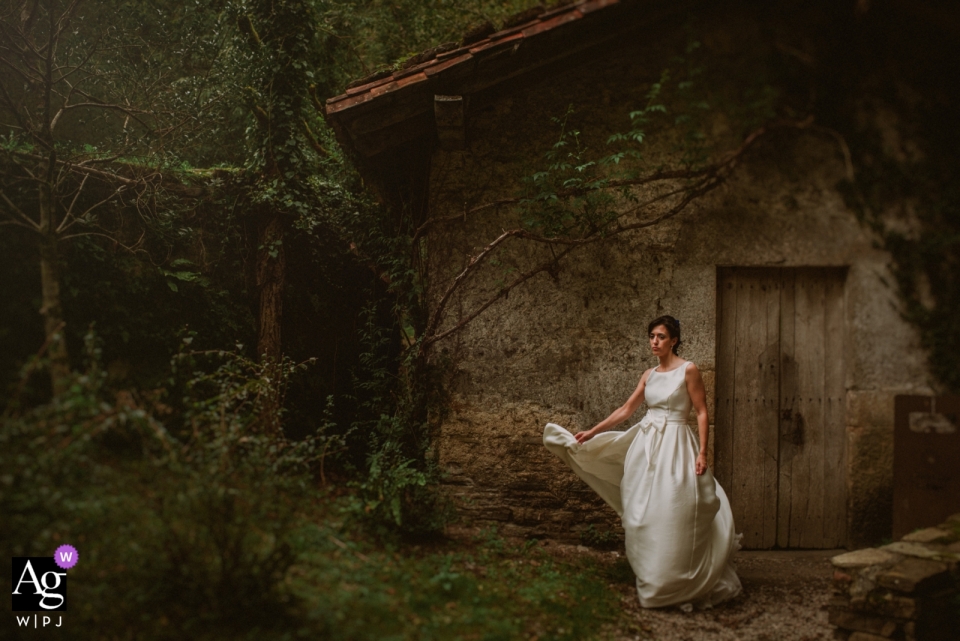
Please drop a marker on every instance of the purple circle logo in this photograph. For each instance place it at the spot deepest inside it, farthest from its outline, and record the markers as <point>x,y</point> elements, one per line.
<point>66,556</point>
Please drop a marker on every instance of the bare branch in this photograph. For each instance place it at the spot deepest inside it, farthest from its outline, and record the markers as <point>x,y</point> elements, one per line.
<point>73,202</point>
<point>12,106</point>
<point>150,179</point>
<point>727,162</point>
<point>711,177</point>
<point>26,220</point>
<point>130,248</point>
<point>76,219</point>
<point>657,176</point>
<point>92,161</point>
<point>474,263</point>
<point>429,340</point>
<point>572,244</point>
<point>844,149</point>
<point>17,223</point>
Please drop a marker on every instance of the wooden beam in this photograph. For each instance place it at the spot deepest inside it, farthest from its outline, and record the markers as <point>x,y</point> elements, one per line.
<point>449,112</point>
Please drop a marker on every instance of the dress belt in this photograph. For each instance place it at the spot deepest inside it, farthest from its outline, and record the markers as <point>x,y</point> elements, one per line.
<point>659,422</point>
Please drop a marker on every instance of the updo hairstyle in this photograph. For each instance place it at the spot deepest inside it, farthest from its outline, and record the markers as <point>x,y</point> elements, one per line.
<point>673,328</point>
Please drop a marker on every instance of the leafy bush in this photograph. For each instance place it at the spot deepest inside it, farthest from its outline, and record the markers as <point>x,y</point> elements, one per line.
<point>594,537</point>
<point>181,531</point>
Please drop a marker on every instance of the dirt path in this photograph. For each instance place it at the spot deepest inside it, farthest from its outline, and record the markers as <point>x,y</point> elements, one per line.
<point>785,594</point>
<point>784,599</point>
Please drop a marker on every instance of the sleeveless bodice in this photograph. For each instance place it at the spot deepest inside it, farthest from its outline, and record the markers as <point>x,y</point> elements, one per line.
<point>667,397</point>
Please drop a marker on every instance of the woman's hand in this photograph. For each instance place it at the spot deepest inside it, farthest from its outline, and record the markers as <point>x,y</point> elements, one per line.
<point>701,464</point>
<point>586,435</point>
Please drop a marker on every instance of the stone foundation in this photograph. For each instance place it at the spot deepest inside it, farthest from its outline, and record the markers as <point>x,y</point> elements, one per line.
<point>907,591</point>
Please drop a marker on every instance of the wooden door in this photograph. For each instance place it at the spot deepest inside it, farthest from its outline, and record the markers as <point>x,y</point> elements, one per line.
<point>779,440</point>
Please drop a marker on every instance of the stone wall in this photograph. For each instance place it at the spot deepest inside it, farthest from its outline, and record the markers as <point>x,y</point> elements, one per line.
<point>908,590</point>
<point>569,347</point>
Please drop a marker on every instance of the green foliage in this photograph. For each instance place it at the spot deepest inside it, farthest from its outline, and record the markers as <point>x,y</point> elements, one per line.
<point>192,524</point>
<point>398,491</point>
<point>885,100</point>
<point>594,537</point>
<point>203,517</point>
<point>583,191</point>
<point>924,262</point>
<point>241,83</point>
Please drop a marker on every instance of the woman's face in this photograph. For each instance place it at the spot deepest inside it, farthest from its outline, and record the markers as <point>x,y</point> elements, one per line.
<point>660,342</point>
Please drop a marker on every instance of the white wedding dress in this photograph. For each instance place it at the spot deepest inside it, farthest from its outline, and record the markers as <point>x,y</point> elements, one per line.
<point>678,526</point>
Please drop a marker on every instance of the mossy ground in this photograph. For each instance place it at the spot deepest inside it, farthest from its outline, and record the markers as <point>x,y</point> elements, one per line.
<point>469,586</point>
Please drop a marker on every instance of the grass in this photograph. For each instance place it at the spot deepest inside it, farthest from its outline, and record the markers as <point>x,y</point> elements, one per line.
<point>482,589</point>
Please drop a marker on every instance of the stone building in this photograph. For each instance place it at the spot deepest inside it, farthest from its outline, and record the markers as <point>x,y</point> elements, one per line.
<point>780,290</point>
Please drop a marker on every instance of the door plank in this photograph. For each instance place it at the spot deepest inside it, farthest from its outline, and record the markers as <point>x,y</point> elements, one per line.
<point>788,423</point>
<point>807,530</point>
<point>834,415</point>
<point>769,403</point>
<point>747,511</point>
<point>724,424</point>
<point>754,438</point>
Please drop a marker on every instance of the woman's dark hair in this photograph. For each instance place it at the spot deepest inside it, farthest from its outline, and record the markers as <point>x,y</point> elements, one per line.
<point>673,328</point>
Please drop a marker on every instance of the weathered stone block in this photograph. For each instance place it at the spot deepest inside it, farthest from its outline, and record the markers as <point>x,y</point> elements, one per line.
<point>862,622</point>
<point>912,549</point>
<point>914,575</point>
<point>841,581</point>
<point>863,558</point>
<point>886,604</point>
<point>928,535</point>
<point>839,601</point>
<point>870,474</point>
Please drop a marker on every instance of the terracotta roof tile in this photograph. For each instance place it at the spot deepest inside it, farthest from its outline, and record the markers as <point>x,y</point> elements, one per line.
<point>384,87</point>
<point>346,102</point>
<point>411,80</point>
<point>449,57</point>
<point>594,5</point>
<point>447,64</point>
<point>403,73</point>
<point>500,35</point>
<point>455,52</point>
<point>370,85</point>
<point>499,43</point>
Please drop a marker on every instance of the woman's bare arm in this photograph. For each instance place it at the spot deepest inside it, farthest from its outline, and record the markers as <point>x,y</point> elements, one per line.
<point>620,414</point>
<point>698,396</point>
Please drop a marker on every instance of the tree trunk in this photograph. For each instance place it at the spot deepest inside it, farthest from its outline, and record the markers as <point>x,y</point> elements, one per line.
<point>51,309</point>
<point>271,268</point>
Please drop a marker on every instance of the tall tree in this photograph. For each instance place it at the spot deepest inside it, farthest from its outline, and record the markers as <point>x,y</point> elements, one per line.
<point>282,43</point>
<point>88,105</point>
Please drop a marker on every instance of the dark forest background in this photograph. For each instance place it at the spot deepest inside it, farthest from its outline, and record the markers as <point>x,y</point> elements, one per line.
<point>213,382</point>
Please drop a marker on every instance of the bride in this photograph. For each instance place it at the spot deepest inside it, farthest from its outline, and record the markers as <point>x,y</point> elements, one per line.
<point>676,518</point>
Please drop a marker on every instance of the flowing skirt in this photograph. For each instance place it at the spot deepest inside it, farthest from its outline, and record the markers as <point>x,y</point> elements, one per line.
<point>678,527</point>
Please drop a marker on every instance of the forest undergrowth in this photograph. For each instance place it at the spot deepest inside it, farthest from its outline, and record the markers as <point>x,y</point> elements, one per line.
<point>198,519</point>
